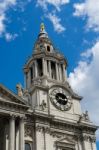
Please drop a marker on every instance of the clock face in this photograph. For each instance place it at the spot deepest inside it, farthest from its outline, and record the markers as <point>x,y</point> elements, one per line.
<point>60,99</point>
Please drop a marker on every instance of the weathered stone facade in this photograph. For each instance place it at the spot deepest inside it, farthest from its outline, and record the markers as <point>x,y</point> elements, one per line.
<point>46,114</point>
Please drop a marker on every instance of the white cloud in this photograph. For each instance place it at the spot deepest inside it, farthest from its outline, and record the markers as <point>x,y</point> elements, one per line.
<point>9,37</point>
<point>85,80</point>
<point>56,23</point>
<point>53,17</point>
<point>4,6</point>
<point>56,3</point>
<point>2,25</point>
<point>89,9</point>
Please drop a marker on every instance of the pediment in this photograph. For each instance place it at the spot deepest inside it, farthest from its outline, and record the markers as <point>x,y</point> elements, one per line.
<point>8,96</point>
<point>67,143</point>
<point>66,140</point>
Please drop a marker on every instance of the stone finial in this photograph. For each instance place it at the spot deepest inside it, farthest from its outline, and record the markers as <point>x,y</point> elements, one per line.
<point>42,28</point>
<point>19,90</point>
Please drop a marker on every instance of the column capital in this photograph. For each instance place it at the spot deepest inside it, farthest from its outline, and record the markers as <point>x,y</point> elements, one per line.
<point>13,116</point>
<point>22,117</point>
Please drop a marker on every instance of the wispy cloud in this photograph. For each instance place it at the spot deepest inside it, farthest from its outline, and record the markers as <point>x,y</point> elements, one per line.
<point>53,17</point>
<point>10,37</point>
<point>4,6</point>
<point>90,10</point>
<point>58,27</point>
<point>56,3</point>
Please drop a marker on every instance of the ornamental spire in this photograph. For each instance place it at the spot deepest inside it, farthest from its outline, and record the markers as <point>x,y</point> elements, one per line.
<point>42,33</point>
<point>42,27</point>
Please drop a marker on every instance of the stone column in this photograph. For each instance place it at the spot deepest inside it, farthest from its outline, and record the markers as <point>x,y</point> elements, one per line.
<point>33,70</point>
<point>39,139</point>
<point>28,79</point>
<point>46,67</point>
<point>64,73</point>
<point>12,133</point>
<point>17,138</point>
<point>21,134</point>
<point>43,63</point>
<point>60,72</point>
<point>57,75</point>
<point>49,65</point>
<point>36,72</point>
<point>93,143</point>
<point>86,143</point>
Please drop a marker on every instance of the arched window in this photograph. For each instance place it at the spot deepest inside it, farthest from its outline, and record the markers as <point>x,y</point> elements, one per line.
<point>48,48</point>
<point>27,146</point>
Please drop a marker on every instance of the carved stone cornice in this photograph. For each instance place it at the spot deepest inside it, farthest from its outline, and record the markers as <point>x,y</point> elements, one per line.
<point>89,138</point>
<point>11,106</point>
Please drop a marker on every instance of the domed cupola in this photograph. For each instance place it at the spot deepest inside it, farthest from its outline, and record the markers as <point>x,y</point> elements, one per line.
<point>43,43</point>
<point>46,65</point>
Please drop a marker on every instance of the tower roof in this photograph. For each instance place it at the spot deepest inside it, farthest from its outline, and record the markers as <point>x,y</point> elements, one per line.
<point>44,45</point>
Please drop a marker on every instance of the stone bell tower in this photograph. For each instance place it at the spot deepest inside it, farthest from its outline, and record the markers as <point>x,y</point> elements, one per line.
<point>46,64</point>
<point>46,67</point>
<point>59,123</point>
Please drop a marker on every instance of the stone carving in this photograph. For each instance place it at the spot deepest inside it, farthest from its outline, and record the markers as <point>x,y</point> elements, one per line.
<point>88,138</point>
<point>37,82</point>
<point>19,90</point>
<point>45,129</point>
<point>43,104</point>
<point>26,96</point>
<point>28,131</point>
<point>84,117</point>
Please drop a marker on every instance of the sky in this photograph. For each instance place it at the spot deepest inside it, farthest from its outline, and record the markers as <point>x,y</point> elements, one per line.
<point>72,25</point>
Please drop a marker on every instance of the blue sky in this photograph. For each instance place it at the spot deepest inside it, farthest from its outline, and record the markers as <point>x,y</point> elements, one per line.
<point>73,26</point>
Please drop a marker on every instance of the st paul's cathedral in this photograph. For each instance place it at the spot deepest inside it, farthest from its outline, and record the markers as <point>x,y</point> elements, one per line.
<point>46,113</point>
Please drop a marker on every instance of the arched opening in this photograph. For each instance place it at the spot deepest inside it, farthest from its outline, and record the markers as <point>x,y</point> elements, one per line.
<point>27,146</point>
<point>31,72</point>
<point>53,70</point>
<point>40,67</point>
<point>48,48</point>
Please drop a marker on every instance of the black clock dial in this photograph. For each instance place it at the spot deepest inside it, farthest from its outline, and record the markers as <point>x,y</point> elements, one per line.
<point>61,98</point>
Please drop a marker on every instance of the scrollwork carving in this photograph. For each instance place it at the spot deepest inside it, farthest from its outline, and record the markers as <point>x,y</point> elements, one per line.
<point>28,131</point>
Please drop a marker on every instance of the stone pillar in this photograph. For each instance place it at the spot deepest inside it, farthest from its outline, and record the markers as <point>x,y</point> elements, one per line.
<point>60,72</point>
<point>33,70</point>
<point>12,133</point>
<point>17,138</point>
<point>43,63</point>
<point>86,143</point>
<point>21,134</point>
<point>36,72</point>
<point>49,65</point>
<point>64,73</point>
<point>93,143</point>
<point>94,146</point>
<point>28,79</point>
<point>57,74</point>
<point>39,139</point>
